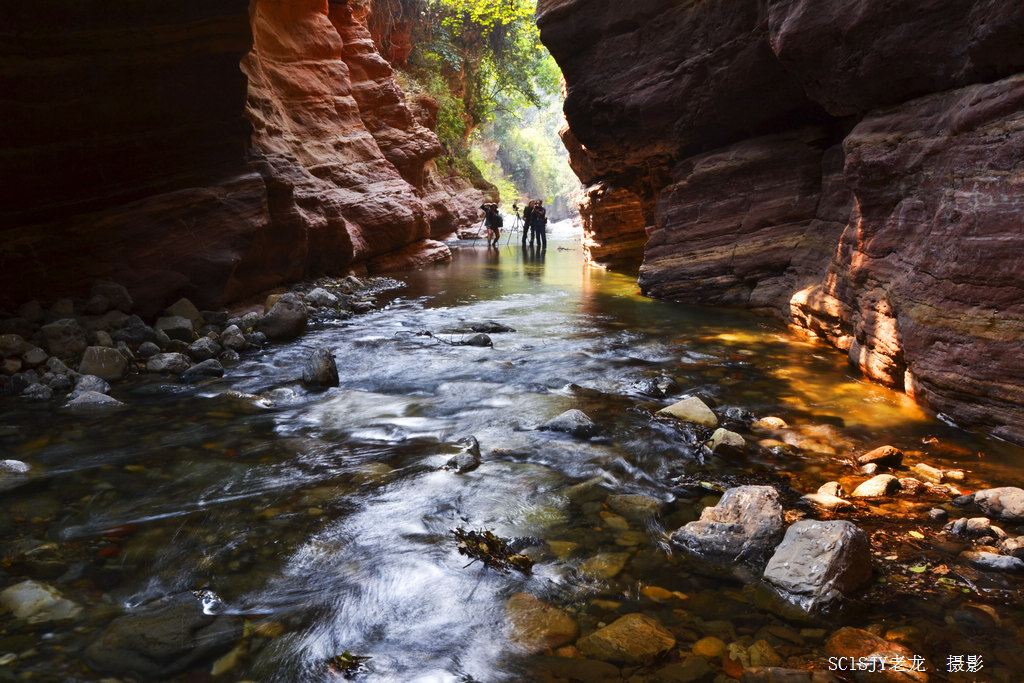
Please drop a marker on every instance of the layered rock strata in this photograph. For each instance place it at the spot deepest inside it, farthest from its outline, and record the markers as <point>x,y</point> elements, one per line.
<point>212,150</point>
<point>854,170</point>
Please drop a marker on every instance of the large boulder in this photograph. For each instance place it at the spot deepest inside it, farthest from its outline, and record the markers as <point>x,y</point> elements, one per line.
<point>632,639</point>
<point>161,640</point>
<point>819,563</point>
<point>1005,502</point>
<point>286,319</point>
<point>737,535</point>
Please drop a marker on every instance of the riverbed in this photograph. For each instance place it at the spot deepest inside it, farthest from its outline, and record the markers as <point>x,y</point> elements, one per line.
<point>323,518</point>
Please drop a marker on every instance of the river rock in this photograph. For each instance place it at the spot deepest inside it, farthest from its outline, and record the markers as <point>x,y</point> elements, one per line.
<point>320,369</point>
<point>65,338</point>
<point>691,410</point>
<point>725,442</point>
<point>832,488</point>
<point>12,345</point>
<point>634,506</point>
<point>604,565</point>
<point>163,639</point>
<point>135,332</point>
<point>738,534</point>
<point>879,485</point>
<point>927,472</point>
<point>176,327</point>
<point>826,501</point>
<point>995,562</point>
<point>13,474</point>
<point>172,363</point>
<point>478,339</point>
<point>232,338</point>
<point>819,563</point>
<point>92,399</point>
<point>537,626</point>
<point>286,319</point>
<point>854,642</point>
<point>184,308</point>
<point>576,669</point>
<point>115,296</point>
<point>1006,503</point>
<point>86,383</point>
<point>573,422</point>
<point>468,460</point>
<point>883,456</point>
<point>202,349</point>
<point>491,327</point>
<point>103,362</point>
<point>34,356</point>
<point>1013,546</point>
<point>38,603</point>
<point>208,369</point>
<point>320,298</point>
<point>631,639</point>
<point>37,392</point>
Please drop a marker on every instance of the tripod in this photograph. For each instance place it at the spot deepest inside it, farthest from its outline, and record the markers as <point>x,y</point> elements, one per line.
<point>515,226</point>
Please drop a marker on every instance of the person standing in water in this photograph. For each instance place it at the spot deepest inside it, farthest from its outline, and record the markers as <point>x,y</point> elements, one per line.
<point>539,221</point>
<point>493,221</point>
<point>527,228</point>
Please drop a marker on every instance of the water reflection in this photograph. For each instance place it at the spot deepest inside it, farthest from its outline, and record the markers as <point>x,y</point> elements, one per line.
<point>325,517</point>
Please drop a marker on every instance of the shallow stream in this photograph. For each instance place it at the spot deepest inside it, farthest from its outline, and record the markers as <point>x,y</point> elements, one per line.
<point>325,519</point>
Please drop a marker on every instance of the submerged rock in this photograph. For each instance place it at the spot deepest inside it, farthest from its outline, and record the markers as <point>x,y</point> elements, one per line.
<point>634,506</point>
<point>163,639</point>
<point>13,473</point>
<point>631,639</point>
<point>537,626</point>
<point>208,369</point>
<point>737,535</point>
<point>490,327</point>
<point>691,410</point>
<point>38,603</point>
<point>855,643</point>
<point>573,422</point>
<point>819,563</point>
<point>320,369</point>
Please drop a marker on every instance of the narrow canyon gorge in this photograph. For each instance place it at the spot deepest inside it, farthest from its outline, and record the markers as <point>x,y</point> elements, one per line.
<point>856,169</point>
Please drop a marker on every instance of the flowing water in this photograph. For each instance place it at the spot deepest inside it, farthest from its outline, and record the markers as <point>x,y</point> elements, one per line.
<point>325,517</point>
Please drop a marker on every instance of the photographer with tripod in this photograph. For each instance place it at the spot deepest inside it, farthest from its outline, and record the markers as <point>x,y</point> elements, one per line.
<point>527,231</point>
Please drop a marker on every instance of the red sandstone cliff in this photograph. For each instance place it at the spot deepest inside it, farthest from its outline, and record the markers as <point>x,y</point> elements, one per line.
<point>855,169</point>
<point>206,148</point>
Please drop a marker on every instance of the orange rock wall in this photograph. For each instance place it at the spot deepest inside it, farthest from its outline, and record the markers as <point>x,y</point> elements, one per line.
<point>209,149</point>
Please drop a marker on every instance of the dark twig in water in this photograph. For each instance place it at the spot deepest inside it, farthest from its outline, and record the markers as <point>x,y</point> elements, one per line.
<point>494,552</point>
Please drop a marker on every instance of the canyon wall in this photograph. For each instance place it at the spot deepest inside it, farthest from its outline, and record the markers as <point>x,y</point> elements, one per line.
<point>857,170</point>
<point>209,149</point>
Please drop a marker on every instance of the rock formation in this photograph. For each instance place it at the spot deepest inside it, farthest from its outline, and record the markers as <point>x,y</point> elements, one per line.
<point>854,170</point>
<point>211,149</point>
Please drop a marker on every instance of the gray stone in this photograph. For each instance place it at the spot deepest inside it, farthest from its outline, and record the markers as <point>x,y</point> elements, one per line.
<point>490,327</point>
<point>148,349</point>
<point>691,410</point>
<point>185,309</point>
<point>879,485</point>
<point>938,514</point>
<point>478,339</point>
<point>255,339</point>
<point>65,338</point>
<point>320,369</point>
<point>12,345</point>
<point>229,356</point>
<point>204,348</point>
<point>1006,503</point>
<point>252,318</point>
<point>102,338</point>
<point>208,369</point>
<point>161,640</point>
<point>573,422</point>
<point>13,474</point>
<point>819,563</point>
<point>176,327</point>
<point>93,399</point>
<point>993,561</point>
<point>103,362</point>
<point>116,296</point>
<point>38,603</point>
<point>725,442</point>
<point>320,297</point>
<point>135,332</point>
<point>286,319</point>
<point>468,459</point>
<point>61,384</point>
<point>232,338</point>
<point>739,534</point>
<point>33,356</point>
<point>86,383</point>
<point>173,363</point>
<point>37,391</point>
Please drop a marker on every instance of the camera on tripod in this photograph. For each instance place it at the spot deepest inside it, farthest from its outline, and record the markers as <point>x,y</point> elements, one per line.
<point>515,208</point>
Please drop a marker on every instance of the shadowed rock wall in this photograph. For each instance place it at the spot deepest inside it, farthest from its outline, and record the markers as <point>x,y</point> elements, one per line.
<point>854,168</point>
<point>209,149</point>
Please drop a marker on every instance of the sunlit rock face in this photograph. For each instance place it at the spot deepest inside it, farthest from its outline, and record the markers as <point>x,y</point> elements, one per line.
<point>850,169</point>
<point>210,149</point>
